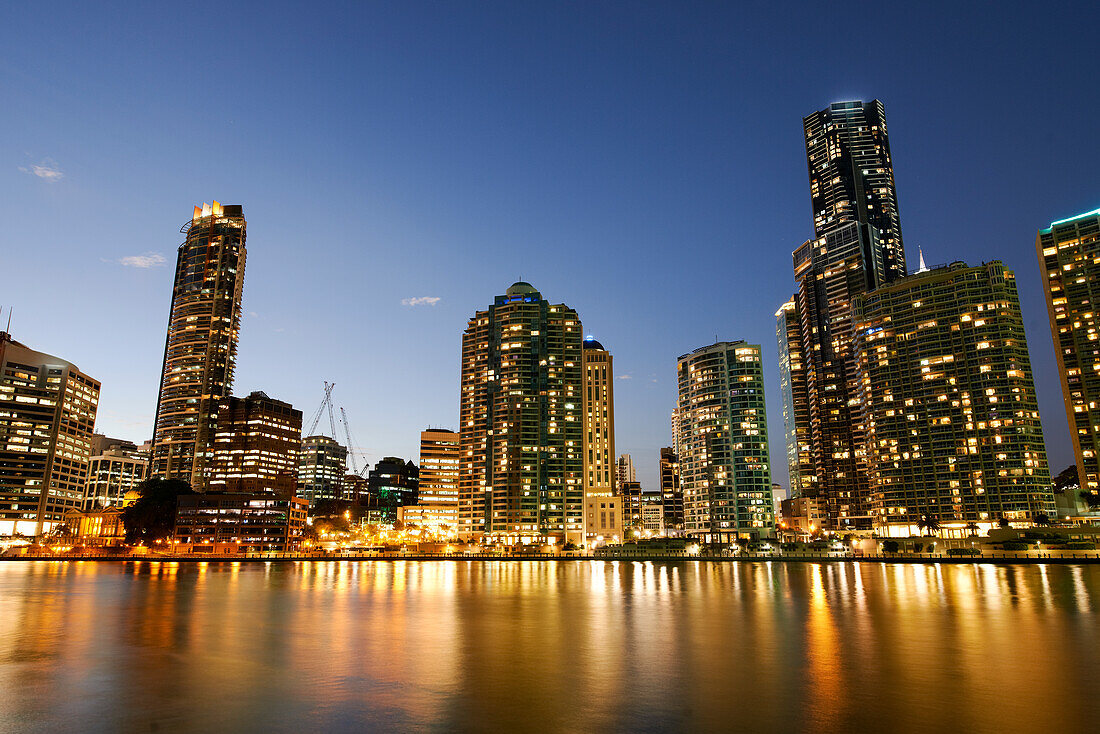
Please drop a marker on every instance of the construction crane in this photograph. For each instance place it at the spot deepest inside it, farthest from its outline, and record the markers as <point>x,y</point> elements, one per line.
<point>352,442</point>
<point>347,434</point>
<point>320,411</point>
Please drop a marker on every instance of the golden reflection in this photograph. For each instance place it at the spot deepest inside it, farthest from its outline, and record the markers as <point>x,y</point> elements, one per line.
<point>823,669</point>
<point>573,646</point>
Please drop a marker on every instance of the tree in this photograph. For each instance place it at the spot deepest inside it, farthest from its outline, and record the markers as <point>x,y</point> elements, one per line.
<point>889,546</point>
<point>1092,499</point>
<point>928,523</point>
<point>1041,518</point>
<point>972,527</point>
<point>1003,522</point>
<point>153,515</point>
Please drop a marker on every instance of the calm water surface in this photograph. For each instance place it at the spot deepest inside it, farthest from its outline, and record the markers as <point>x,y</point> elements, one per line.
<point>545,646</point>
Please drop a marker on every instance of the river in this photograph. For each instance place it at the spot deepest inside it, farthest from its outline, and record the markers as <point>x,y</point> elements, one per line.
<point>518,646</point>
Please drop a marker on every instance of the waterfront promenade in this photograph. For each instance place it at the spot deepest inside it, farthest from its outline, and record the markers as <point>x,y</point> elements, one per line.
<point>1034,558</point>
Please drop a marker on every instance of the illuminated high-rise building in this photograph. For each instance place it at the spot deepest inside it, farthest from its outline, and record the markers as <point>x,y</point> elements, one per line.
<point>437,506</point>
<point>672,493</point>
<point>521,421</point>
<point>852,176</point>
<point>322,465</point>
<point>1069,256</point>
<point>201,348</point>
<point>857,247</point>
<point>796,409</point>
<point>598,399</point>
<point>724,468</point>
<point>624,471</point>
<point>111,474</point>
<point>47,421</point>
<point>948,403</point>
<point>256,446</point>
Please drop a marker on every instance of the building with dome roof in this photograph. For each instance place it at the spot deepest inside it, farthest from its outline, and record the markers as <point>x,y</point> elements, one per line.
<point>521,470</point>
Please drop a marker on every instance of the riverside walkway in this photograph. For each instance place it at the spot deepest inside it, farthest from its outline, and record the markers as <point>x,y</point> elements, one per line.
<point>1052,557</point>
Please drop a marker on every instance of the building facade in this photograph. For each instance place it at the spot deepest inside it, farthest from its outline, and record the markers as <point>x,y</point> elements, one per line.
<point>796,408</point>
<point>47,421</point>
<point>1069,258</point>
<point>201,346</point>
<point>111,474</point>
<point>521,422</point>
<point>672,494</point>
<point>256,444</point>
<point>631,497</point>
<point>724,467</point>
<point>439,459</point>
<point>322,464</point>
<point>392,483</point>
<point>852,176</point>
<point>857,247</point>
<point>598,399</point>
<point>216,522</point>
<point>624,471</point>
<point>948,403</point>
<point>653,516</point>
<point>603,520</point>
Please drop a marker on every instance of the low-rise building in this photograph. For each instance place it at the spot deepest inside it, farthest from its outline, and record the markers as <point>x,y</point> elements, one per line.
<point>603,520</point>
<point>97,527</point>
<point>256,522</point>
<point>801,516</point>
<point>653,516</point>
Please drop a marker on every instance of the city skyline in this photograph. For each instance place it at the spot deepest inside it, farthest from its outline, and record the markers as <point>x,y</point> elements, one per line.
<point>333,310</point>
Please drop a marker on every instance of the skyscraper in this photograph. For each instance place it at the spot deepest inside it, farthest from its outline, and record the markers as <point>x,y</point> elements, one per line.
<point>256,446</point>
<point>521,421</point>
<point>672,494</point>
<point>439,455</point>
<point>111,474</point>
<point>322,464</point>
<point>796,408</point>
<point>948,404</point>
<point>724,467</point>
<point>852,175</point>
<point>598,399</point>
<point>624,471</point>
<point>201,346</point>
<point>857,247</point>
<point>47,420</point>
<point>392,483</point>
<point>1069,256</point>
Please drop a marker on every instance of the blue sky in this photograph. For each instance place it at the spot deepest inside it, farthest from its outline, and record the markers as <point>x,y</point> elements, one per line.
<point>641,162</point>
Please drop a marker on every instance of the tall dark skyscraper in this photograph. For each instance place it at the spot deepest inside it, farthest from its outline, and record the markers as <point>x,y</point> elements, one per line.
<point>852,177</point>
<point>201,347</point>
<point>857,247</point>
<point>521,466</point>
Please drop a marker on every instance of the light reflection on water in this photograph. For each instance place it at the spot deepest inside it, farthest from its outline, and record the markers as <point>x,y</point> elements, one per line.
<point>545,646</point>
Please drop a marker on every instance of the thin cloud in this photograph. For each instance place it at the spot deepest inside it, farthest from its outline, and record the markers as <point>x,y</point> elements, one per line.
<point>47,170</point>
<point>144,261</point>
<point>421,301</point>
<point>624,377</point>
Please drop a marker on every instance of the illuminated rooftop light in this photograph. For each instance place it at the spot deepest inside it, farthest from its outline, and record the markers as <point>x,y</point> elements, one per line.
<point>1093,213</point>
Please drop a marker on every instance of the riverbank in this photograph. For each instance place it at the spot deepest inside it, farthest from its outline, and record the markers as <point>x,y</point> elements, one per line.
<point>913,558</point>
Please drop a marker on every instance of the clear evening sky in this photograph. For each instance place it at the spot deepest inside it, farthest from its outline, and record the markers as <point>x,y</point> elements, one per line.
<point>641,162</point>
